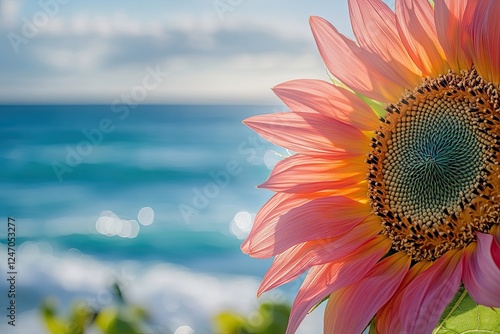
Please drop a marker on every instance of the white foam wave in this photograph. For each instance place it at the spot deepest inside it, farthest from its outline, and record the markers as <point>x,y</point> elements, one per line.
<point>176,296</point>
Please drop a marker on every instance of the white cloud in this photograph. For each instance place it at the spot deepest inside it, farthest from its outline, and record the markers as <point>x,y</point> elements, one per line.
<point>272,61</point>
<point>193,79</point>
<point>103,26</point>
<point>9,12</point>
<point>82,59</point>
<point>246,78</point>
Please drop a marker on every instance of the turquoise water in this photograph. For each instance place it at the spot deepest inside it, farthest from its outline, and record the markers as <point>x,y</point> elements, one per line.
<point>76,177</point>
<point>57,163</point>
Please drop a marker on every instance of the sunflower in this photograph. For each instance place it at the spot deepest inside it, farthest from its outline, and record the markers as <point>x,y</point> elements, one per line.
<point>391,200</point>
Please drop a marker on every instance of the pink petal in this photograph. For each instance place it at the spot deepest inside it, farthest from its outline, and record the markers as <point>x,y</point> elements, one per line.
<point>351,64</point>
<point>374,25</point>
<point>327,99</point>
<point>481,275</point>
<point>350,309</point>
<point>415,22</point>
<point>481,18</point>
<point>320,218</point>
<point>324,279</point>
<point>297,259</point>
<point>388,320</point>
<point>425,297</point>
<point>278,204</point>
<point>495,232</point>
<point>310,134</point>
<point>450,31</point>
<point>303,174</point>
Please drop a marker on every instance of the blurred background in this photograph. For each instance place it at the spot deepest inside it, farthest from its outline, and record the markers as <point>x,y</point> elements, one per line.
<point>125,164</point>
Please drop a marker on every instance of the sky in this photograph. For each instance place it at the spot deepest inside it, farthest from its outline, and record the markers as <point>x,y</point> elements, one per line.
<point>158,51</point>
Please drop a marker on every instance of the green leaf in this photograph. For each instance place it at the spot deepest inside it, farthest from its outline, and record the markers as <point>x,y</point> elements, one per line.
<point>372,328</point>
<point>270,318</point>
<point>463,315</point>
<point>228,322</point>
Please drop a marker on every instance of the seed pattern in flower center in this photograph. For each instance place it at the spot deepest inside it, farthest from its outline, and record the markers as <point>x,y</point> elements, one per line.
<point>434,157</point>
<point>434,165</point>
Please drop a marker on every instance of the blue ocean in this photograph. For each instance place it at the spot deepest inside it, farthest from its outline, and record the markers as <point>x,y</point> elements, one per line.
<point>158,197</point>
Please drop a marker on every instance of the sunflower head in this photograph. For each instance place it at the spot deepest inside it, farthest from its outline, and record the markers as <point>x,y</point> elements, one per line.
<point>433,168</point>
<point>389,215</point>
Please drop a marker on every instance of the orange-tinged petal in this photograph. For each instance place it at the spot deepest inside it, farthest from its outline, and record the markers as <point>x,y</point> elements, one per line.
<point>450,31</point>
<point>495,232</point>
<point>301,174</point>
<point>310,134</point>
<point>318,219</point>
<point>322,97</point>
<point>374,25</point>
<point>356,192</point>
<point>324,279</point>
<point>350,309</point>
<point>351,64</point>
<point>427,295</point>
<point>481,18</point>
<point>296,260</point>
<point>415,22</point>
<point>313,186</point>
<point>481,275</point>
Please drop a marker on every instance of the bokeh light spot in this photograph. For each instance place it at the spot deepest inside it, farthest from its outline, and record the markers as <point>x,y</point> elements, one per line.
<point>184,330</point>
<point>110,225</point>
<point>241,224</point>
<point>125,229</point>
<point>135,229</point>
<point>146,216</point>
<point>271,158</point>
<point>256,319</point>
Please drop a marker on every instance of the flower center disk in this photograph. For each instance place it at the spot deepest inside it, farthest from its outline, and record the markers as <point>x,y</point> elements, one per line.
<point>434,165</point>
